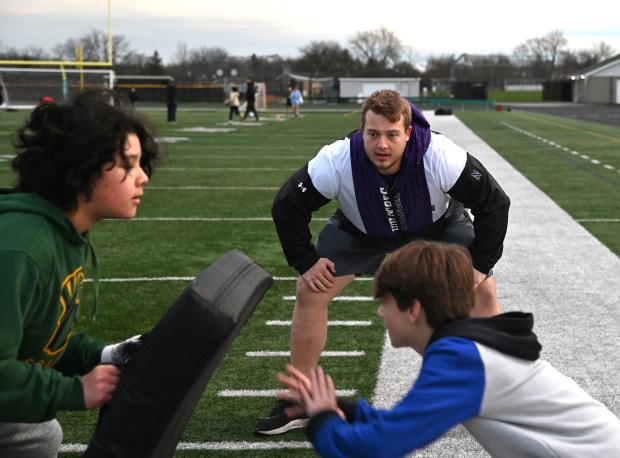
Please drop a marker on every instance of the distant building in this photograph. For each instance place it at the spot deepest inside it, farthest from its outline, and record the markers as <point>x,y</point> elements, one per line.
<point>360,87</point>
<point>599,83</point>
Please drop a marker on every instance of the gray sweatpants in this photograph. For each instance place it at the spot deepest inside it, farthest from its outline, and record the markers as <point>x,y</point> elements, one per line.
<point>30,440</point>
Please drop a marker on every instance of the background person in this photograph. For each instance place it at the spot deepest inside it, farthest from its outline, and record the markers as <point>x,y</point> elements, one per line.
<point>76,164</point>
<point>289,108</point>
<point>395,181</point>
<point>296,100</point>
<point>250,99</point>
<point>485,373</point>
<point>171,101</point>
<point>117,94</point>
<point>233,103</point>
<point>133,97</point>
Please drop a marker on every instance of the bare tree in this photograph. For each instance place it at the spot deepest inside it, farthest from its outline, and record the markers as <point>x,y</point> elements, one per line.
<point>181,55</point>
<point>377,48</point>
<point>541,54</point>
<point>204,63</point>
<point>601,51</point>
<point>326,58</point>
<point>27,53</point>
<point>410,58</point>
<point>133,63</point>
<point>440,66</point>
<point>571,62</point>
<point>94,46</point>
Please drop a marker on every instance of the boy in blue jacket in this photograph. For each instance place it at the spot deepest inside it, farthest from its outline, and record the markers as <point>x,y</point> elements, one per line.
<point>482,372</point>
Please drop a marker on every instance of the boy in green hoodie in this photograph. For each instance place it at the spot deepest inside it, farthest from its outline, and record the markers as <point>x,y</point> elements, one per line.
<point>76,164</point>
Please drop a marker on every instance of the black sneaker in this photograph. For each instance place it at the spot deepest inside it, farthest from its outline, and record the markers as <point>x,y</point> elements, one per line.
<point>277,422</point>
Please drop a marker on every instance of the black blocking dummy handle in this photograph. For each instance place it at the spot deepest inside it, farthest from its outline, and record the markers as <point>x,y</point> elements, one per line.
<point>160,387</point>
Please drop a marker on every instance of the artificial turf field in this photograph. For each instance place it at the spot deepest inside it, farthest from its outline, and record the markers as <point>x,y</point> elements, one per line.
<point>213,191</point>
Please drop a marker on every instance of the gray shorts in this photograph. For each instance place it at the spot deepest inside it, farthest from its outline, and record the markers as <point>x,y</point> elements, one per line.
<point>30,440</point>
<point>360,254</point>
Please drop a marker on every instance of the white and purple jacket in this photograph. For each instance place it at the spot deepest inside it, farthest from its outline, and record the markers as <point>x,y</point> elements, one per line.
<point>434,171</point>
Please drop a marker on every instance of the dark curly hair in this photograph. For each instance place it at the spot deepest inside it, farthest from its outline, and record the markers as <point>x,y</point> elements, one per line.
<point>62,148</point>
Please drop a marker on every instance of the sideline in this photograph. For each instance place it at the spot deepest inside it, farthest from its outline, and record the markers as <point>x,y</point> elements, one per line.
<point>551,267</point>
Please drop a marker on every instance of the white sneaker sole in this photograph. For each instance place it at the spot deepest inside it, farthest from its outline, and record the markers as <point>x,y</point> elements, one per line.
<point>293,424</point>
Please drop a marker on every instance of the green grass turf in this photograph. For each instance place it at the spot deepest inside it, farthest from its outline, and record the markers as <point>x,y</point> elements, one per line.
<point>576,177</point>
<point>515,96</point>
<point>204,177</point>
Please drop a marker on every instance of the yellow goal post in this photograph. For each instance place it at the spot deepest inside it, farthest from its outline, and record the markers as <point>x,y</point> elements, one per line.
<point>78,62</point>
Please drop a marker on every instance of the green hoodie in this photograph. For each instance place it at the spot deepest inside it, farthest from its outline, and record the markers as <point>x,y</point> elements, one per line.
<point>42,262</point>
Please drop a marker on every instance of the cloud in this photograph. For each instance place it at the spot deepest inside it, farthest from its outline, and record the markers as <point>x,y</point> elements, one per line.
<point>280,27</point>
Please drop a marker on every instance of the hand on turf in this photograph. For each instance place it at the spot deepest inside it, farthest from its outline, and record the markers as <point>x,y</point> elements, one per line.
<point>99,385</point>
<point>319,277</point>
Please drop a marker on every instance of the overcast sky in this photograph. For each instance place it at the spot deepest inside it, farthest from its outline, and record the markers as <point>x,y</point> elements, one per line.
<point>264,27</point>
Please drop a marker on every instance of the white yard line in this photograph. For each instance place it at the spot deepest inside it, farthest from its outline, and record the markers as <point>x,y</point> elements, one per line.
<point>215,188</point>
<point>583,156</point>
<point>328,354</point>
<point>268,393</point>
<point>227,445</point>
<point>171,278</point>
<point>329,323</point>
<point>199,218</point>
<point>340,298</point>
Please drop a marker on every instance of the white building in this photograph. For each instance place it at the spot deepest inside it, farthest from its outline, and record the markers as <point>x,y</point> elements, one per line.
<point>599,83</point>
<point>361,88</point>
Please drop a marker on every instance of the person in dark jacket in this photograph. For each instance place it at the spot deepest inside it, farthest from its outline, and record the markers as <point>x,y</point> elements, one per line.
<point>76,164</point>
<point>485,373</point>
<point>395,181</point>
<point>171,101</point>
<point>250,99</point>
<point>133,97</point>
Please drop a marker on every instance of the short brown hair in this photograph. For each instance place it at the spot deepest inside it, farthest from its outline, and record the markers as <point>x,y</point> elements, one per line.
<point>388,103</point>
<point>439,275</point>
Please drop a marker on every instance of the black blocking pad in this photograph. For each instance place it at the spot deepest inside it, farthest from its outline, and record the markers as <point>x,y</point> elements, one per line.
<point>160,387</point>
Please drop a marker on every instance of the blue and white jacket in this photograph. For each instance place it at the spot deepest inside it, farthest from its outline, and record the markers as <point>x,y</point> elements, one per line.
<point>486,374</point>
<point>434,172</point>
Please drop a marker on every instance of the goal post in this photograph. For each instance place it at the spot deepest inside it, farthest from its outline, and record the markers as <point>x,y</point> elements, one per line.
<point>22,88</point>
<point>69,63</point>
<point>261,96</point>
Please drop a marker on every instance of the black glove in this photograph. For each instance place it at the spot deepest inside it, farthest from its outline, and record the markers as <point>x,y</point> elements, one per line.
<point>120,354</point>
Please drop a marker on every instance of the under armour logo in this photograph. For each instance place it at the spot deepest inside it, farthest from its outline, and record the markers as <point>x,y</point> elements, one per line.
<point>301,186</point>
<point>476,174</point>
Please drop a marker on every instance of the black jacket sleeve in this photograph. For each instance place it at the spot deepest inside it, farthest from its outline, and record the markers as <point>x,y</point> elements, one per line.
<point>292,212</point>
<point>477,190</point>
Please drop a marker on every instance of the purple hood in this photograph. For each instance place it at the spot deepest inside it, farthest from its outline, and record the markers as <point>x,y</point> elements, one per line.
<point>406,208</point>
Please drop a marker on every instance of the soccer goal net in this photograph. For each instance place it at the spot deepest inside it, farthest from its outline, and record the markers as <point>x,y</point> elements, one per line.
<point>23,88</point>
<point>261,96</point>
